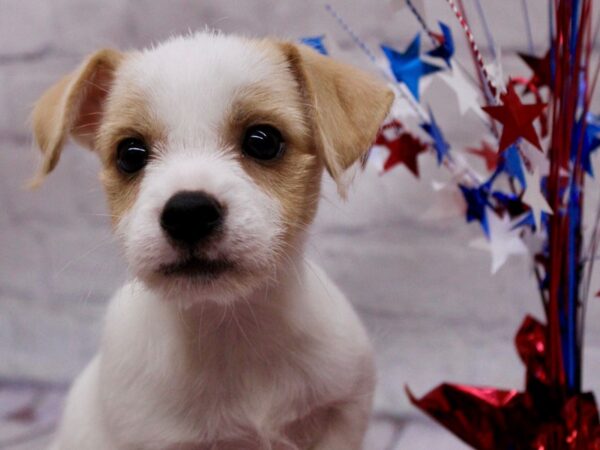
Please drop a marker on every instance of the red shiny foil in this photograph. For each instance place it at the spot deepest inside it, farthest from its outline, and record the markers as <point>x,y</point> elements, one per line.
<point>531,347</point>
<point>540,418</point>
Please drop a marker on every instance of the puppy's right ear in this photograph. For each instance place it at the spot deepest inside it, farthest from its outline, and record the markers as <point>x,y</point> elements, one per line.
<point>346,107</point>
<point>73,106</point>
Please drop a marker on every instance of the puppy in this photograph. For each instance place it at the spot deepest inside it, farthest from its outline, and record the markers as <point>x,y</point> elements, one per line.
<point>212,151</point>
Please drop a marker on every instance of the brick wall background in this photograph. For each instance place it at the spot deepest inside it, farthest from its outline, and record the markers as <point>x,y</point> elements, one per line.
<point>433,309</point>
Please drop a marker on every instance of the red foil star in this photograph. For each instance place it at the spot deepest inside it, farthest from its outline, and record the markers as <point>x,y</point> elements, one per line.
<point>540,68</point>
<point>404,150</point>
<point>403,147</point>
<point>488,154</point>
<point>516,119</point>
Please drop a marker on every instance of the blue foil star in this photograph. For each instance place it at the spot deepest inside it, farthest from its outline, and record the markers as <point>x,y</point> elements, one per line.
<point>590,143</point>
<point>512,165</point>
<point>439,143</point>
<point>315,42</point>
<point>446,49</point>
<point>477,200</point>
<point>408,68</point>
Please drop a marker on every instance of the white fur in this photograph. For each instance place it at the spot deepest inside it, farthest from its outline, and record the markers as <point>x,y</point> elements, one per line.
<point>234,363</point>
<point>189,84</point>
<point>251,229</point>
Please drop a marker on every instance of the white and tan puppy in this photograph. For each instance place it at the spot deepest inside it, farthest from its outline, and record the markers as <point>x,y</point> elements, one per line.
<point>212,151</point>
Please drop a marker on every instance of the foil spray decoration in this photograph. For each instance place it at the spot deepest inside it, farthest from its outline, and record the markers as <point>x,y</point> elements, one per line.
<point>537,152</point>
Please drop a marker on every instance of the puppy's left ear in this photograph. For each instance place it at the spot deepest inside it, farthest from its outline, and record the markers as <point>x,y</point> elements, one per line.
<point>73,107</point>
<point>345,105</point>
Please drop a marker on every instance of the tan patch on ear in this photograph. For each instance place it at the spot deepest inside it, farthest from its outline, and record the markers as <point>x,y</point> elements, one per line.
<point>73,106</point>
<point>47,132</point>
<point>345,105</point>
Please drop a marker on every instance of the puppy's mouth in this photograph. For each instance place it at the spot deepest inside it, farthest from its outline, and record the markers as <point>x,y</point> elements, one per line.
<point>196,267</point>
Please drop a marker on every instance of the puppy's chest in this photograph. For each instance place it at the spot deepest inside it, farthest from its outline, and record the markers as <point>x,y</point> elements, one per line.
<point>252,396</point>
<point>299,434</point>
<point>238,400</point>
<point>258,397</point>
<point>228,386</point>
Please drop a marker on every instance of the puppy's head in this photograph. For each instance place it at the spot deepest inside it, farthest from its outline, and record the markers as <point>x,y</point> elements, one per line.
<point>212,150</point>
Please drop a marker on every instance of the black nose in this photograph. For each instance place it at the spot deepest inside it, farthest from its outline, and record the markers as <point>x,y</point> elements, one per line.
<point>189,217</point>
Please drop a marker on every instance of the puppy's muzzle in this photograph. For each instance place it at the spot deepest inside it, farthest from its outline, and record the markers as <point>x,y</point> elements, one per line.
<point>191,217</point>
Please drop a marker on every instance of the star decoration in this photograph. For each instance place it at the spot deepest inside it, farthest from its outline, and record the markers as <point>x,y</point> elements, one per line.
<point>511,163</point>
<point>534,240</point>
<point>504,240</point>
<point>404,150</point>
<point>467,95</point>
<point>315,42</point>
<point>446,48</point>
<point>592,131</point>
<point>439,143</point>
<point>540,67</point>
<point>477,199</point>
<point>407,67</point>
<point>516,119</point>
<point>488,154</point>
<point>389,131</point>
<point>535,158</point>
<point>379,153</point>
<point>589,142</point>
<point>535,199</point>
<point>526,221</point>
<point>511,204</point>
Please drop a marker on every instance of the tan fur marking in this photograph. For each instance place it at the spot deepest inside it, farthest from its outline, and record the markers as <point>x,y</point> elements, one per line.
<point>73,106</point>
<point>126,115</point>
<point>346,106</point>
<point>295,178</point>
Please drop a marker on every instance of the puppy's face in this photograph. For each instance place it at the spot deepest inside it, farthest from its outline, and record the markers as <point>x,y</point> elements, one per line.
<point>222,174</point>
<point>212,150</point>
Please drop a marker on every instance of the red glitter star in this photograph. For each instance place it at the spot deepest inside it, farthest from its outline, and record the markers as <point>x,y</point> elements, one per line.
<point>540,68</point>
<point>516,118</point>
<point>404,150</point>
<point>488,153</point>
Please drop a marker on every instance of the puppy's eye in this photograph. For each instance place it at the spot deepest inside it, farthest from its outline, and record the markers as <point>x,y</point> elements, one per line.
<point>263,142</point>
<point>132,155</point>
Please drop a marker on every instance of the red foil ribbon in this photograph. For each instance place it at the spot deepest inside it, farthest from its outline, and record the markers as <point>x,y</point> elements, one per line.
<point>540,418</point>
